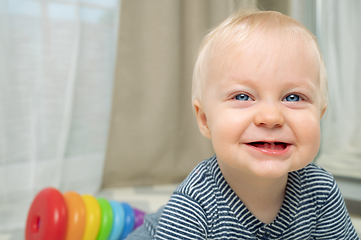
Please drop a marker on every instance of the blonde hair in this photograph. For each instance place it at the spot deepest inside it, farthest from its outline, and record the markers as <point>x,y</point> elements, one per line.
<point>239,27</point>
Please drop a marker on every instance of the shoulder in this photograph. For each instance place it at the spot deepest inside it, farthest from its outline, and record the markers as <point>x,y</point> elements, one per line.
<point>196,196</point>
<point>200,181</point>
<point>315,177</point>
<point>185,215</point>
<point>322,192</point>
<point>318,186</point>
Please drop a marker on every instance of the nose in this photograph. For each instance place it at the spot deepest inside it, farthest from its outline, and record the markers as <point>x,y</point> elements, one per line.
<point>270,116</point>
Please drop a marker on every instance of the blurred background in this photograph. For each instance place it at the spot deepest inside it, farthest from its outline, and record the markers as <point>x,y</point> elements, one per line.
<point>95,96</point>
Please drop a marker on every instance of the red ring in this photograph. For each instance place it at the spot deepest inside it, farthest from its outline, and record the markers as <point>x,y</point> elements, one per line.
<point>47,217</point>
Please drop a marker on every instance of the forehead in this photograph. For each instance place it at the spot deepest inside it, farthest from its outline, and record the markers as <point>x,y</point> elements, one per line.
<point>272,50</point>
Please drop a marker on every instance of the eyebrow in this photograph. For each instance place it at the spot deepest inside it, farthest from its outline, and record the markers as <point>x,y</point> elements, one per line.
<point>237,80</point>
<point>304,83</point>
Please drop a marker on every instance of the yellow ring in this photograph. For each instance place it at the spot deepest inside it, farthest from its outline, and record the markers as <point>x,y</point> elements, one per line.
<point>93,217</point>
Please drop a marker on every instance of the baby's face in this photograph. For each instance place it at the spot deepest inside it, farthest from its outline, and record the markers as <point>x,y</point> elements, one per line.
<point>261,109</point>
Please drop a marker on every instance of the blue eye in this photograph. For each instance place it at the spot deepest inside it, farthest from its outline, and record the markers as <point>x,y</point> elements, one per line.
<point>292,98</point>
<point>242,97</point>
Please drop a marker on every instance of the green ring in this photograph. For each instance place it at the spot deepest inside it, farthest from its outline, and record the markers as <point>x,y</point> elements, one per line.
<point>106,219</point>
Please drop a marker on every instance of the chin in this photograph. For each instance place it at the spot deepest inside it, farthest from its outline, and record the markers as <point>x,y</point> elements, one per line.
<point>272,169</point>
<point>271,174</point>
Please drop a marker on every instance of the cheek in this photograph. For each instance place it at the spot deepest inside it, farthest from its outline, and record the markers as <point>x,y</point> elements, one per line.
<point>308,133</point>
<point>228,125</point>
<point>306,129</point>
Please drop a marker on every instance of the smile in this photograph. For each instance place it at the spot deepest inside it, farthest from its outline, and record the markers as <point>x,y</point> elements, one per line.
<point>273,148</point>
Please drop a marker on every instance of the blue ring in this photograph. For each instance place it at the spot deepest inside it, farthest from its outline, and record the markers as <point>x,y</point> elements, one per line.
<point>129,220</point>
<point>118,220</point>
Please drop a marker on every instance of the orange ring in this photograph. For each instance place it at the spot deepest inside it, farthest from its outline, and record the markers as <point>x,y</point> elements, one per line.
<point>76,216</point>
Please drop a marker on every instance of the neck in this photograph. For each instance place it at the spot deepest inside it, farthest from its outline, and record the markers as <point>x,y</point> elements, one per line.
<point>262,196</point>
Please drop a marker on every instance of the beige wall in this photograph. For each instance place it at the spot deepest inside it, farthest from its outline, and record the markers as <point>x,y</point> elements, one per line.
<point>282,6</point>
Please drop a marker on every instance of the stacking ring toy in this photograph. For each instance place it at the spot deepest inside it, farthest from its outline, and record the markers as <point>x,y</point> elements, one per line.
<point>106,219</point>
<point>47,217</point>
<point>69,216</point>
<point>129,220</point>
<point>76,216</point>
<point>118,220</point>
<point>93,214</point>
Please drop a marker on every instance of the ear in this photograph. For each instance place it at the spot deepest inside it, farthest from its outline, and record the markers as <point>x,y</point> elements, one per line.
<point>323,110</point>
<point>202,119</point>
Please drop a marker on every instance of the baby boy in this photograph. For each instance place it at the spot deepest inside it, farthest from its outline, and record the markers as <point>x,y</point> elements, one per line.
<point>259,93</point>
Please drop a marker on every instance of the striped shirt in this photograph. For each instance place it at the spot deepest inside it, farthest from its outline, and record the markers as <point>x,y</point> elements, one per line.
<point>205,207</point>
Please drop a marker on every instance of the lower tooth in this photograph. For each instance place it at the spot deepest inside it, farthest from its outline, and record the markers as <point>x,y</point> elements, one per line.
<point>273,145</point>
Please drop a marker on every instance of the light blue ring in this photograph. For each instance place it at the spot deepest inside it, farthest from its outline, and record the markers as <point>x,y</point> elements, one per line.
<point>118,220</point>
<point>129,220</point>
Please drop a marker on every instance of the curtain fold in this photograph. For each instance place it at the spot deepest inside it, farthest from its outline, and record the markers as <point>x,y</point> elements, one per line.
<point>154,137</point>
<point>56,76</point>
<point>340,38</point>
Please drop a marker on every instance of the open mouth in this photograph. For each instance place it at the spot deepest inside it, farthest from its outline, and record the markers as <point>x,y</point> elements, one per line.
<point>269,145</point>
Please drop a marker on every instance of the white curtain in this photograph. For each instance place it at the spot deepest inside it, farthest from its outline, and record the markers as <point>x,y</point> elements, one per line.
<point>339,29</point>
<point>56,75</point>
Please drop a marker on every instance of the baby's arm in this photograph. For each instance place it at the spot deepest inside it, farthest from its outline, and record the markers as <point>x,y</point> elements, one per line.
<point>182,218</point>
<point>334,221</point>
